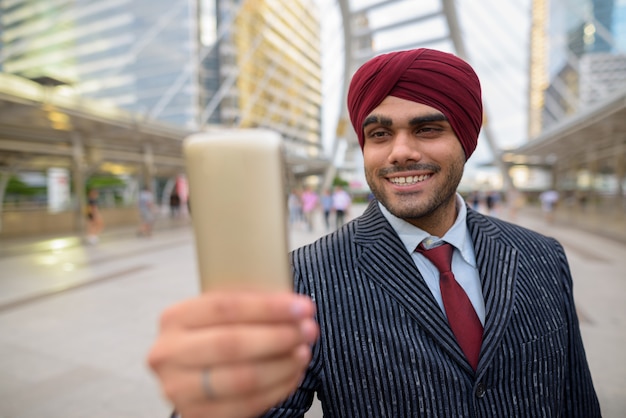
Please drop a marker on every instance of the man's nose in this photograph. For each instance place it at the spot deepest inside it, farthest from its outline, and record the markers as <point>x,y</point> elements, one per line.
<point>405,148</point>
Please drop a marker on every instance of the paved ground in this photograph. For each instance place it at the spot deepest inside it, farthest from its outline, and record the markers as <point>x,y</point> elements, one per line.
<point>77,321</point>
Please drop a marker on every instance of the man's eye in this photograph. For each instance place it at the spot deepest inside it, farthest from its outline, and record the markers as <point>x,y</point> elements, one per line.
<point>376,134</point>
<point>428,130</point>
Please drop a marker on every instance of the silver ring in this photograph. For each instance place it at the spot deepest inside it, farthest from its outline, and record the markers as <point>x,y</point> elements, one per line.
<point>206,385</point>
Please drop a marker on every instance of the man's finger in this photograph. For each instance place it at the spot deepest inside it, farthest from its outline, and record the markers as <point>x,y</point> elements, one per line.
<point>237,343</point>
<point>217,308</point>
<point>222,383</point>
<point>246,407</point>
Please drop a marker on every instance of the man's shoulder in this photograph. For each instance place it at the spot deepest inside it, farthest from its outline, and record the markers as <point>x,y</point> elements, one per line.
<point>341,235</point>
<point>506,230</point>
<point>336,242</point>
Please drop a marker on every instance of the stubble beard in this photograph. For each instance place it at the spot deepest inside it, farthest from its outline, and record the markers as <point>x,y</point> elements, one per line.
<point>413,206</point>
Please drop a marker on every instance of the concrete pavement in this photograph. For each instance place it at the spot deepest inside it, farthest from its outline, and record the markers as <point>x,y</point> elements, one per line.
<point>77,321</point>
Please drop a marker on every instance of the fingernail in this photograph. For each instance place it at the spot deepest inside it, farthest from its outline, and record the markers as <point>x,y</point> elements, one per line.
<point>299,308</point>
<point>303,353</point>
<point>308,328</point>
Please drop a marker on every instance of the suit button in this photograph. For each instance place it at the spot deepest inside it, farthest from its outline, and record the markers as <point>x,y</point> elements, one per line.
<point>480,390</point>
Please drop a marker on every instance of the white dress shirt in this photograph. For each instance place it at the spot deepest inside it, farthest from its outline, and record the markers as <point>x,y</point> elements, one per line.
<point>463,257</point>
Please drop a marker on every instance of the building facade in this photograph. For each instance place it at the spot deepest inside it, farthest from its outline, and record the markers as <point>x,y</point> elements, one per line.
<point>124,53</point>
<point>578,57</point>
<point>270,70</point>
<point>189,63</point>
<point>185,64</point>
<point>577,127</point>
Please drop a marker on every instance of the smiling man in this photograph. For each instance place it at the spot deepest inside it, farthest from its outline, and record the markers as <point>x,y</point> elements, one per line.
<point>413,163</point>
<point>420,113</point>
<point>420,307</point>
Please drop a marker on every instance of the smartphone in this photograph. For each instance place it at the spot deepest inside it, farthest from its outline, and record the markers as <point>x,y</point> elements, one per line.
<point>238,203</point>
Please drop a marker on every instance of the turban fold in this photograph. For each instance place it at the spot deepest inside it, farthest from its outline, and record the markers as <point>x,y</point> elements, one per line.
<point>434,78</point>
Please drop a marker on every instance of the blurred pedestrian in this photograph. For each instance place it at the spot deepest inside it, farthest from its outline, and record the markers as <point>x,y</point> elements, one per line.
<point>310,202</point>
<point>474,199</point>
<point>146,212</point>
<point>327,207</point>
<point>95,222</point>
<point>174,205</point>
<point>492,201</point>
<point>341,205</point>
<point>548,200</point>
<point>295,207</point>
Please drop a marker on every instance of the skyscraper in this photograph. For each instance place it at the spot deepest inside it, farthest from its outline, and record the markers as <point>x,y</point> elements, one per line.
<point>579,57</point>
<point>577,128</point>
<point>190,63</point>
<point>270,53</point>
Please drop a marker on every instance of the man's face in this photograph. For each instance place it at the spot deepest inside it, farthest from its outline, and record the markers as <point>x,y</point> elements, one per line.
<point>413,163</point>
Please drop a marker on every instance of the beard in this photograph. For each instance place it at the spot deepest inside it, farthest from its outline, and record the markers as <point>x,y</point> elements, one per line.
<point>418,205</point>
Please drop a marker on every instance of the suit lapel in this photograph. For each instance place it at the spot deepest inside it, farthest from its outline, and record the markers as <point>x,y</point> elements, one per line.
<point>385,261</point>
<point>497,267</point>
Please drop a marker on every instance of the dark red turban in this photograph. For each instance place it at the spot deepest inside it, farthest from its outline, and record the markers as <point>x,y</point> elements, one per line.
<point>434,78</point>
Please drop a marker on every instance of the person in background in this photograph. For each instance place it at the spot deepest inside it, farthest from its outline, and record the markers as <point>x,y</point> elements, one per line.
<point>310,202</point>
<point>295,207</point>
<point>421,307</point>
<point>341,205</point>
<point>95,222</point>
<point>474,199</point>
<point>146,212</point>
<point>327,207</point>
<point>549,199</point>
<point>492,202</point>
<point>174,205</point>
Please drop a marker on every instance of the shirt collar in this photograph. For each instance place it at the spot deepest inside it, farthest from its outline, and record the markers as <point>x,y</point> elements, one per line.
<point>457,235</point>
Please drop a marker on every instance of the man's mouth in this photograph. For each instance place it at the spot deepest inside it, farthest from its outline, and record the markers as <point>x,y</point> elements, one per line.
<point>407,181</point>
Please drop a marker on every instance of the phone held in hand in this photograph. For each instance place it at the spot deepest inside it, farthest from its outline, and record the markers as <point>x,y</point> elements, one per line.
<point>238,209</point>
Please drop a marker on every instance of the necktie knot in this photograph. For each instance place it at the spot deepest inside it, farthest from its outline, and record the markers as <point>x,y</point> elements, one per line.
<point>440,256</point>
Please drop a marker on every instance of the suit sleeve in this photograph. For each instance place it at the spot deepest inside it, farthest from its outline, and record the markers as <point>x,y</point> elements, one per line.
<point>580,396</point>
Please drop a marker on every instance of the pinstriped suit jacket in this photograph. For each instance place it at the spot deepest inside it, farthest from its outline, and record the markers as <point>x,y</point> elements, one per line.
<point>386,349</point>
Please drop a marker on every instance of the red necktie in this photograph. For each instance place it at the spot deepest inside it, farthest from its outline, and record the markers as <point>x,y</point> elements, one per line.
<point>461,314</point>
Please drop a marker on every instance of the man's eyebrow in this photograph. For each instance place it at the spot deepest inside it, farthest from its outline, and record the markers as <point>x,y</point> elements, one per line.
<point>385,121</point>
<point>434,117</point>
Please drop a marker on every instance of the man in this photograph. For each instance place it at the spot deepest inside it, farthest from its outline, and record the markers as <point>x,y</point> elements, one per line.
<point>310,201</point>
<point>145,204</point>
<point>389,343</point>
<point>95,222</point>
<point>341,203</point>
<point>549,199</point>
<point>327,206</point>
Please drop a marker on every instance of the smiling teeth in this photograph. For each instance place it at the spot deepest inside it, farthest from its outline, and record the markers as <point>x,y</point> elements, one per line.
<point>408,180</point>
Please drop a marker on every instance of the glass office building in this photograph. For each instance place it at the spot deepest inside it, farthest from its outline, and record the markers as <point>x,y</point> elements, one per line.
<point>126,53</point>
<point>579,57</point>
<point>577,112</point>
<point>270,69</point>
<point>190,63</point>
<point>127,80</point>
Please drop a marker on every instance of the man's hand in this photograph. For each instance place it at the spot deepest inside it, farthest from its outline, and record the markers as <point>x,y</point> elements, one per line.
<point>233,354</point>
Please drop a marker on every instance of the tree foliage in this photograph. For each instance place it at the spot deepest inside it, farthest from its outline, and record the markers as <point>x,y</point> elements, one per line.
<point>17,187</point>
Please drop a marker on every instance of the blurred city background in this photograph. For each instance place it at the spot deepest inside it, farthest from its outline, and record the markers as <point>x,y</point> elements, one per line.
<point>99,95</point>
